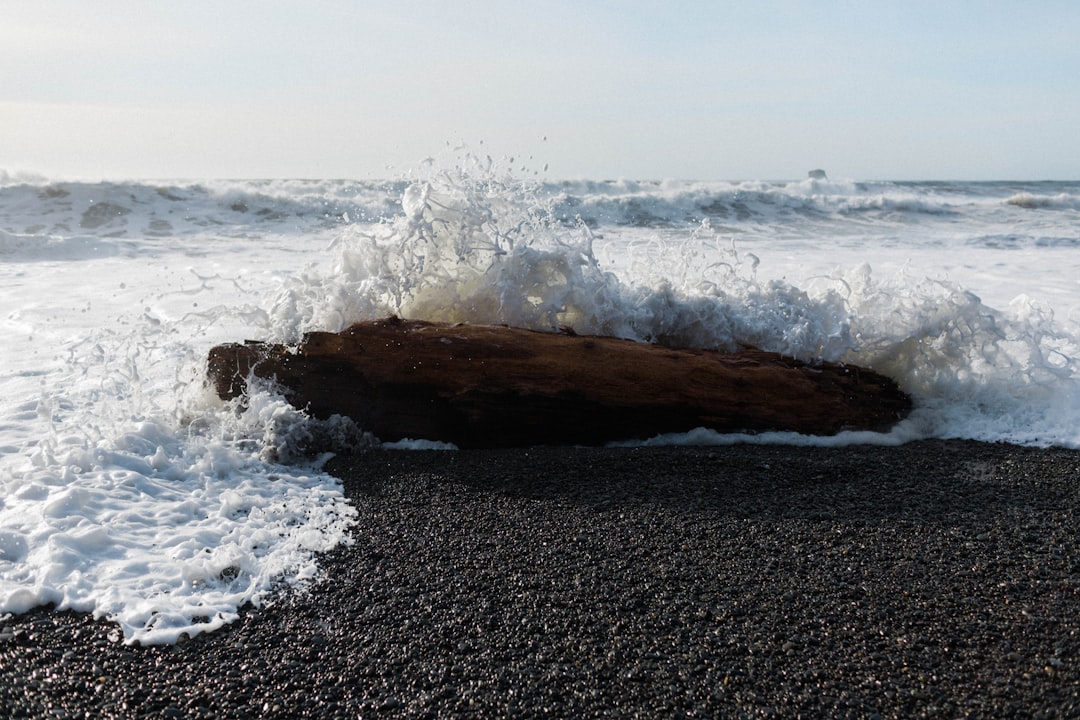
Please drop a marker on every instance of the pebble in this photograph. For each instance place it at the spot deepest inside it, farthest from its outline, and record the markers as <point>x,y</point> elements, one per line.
<point>633,583</point>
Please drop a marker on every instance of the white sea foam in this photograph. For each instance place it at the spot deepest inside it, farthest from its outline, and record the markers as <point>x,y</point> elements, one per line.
<point>127,489</point>
<point>130,491</point>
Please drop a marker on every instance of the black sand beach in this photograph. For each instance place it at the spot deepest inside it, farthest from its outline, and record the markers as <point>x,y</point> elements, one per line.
<point>937,579</point>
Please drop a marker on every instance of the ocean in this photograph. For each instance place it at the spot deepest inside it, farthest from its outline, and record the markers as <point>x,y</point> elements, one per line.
<point>127,489</point>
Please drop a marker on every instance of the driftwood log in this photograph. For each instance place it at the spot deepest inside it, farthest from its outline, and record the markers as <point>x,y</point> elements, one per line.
<point>485,386</point>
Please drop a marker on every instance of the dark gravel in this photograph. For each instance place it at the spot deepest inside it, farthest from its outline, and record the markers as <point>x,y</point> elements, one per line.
<point>938,579</point>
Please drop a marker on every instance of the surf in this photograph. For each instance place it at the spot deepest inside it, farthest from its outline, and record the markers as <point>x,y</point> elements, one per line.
<point>132,492</point>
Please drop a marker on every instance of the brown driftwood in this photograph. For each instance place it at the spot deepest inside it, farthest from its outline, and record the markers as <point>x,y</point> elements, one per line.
<point>484,386</point>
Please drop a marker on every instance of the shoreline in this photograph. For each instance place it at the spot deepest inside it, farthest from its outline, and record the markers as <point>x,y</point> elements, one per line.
<point>932,579</point>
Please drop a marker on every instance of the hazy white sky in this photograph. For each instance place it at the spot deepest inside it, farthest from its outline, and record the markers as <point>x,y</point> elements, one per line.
<point>666,89</point>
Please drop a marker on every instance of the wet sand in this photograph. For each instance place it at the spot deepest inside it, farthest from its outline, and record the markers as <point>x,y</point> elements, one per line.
<point>937,579</point>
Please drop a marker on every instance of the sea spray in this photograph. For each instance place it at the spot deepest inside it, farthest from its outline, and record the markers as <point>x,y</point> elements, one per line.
<point>138,496</point>
<point>474,246</point>
<point>129,490</point>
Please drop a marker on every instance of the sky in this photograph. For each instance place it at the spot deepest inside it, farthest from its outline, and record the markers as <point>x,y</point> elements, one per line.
<point>758,89</point>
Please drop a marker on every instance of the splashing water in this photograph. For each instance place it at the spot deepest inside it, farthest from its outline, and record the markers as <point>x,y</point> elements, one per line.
<point>130,491</point>
<point>475,247</point>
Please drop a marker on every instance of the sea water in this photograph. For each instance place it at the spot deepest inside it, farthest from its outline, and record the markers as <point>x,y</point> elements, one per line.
<point>129,490</point>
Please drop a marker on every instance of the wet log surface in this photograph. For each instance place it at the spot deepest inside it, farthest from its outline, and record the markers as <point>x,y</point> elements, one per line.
<point>494,386</point>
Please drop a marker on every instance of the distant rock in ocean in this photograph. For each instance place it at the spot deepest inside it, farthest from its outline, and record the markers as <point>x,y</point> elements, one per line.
<point>818,174</point>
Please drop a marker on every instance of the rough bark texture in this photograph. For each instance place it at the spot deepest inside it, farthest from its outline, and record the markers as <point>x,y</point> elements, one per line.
<point>485,386</point>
